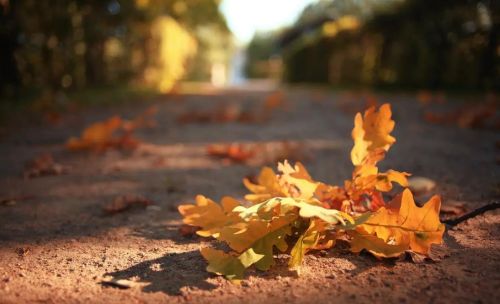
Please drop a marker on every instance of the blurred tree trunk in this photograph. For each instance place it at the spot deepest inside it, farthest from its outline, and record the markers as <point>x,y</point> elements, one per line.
<point>9,75</point>
<point>94,63</point>
<point>488,72</point>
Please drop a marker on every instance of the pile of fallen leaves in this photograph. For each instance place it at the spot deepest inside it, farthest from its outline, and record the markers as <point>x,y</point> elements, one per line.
<point>292,212</point>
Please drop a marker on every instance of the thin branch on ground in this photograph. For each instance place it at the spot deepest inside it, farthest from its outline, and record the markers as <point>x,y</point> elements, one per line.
<point>473,213</point>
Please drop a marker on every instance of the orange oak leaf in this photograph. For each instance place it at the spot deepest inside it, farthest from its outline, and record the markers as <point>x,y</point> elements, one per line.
<point>103,135</point>
<point>126,202</point>
<point>399,226</point>
<point>97,135</point>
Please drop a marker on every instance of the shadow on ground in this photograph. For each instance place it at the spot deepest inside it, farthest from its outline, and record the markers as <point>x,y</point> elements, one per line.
<point>170,273</point>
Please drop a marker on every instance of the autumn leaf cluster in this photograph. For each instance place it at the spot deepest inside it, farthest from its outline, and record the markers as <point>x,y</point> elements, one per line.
<point>289,211</point>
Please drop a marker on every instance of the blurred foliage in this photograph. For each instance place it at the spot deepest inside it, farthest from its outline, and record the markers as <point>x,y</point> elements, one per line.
<point>70,45</point>
<point>258,53</point>
<point>395,43</point>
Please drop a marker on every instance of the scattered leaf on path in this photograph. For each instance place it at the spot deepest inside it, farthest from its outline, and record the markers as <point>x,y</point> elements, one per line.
<point>43,165</point>
<point>126,202</point>
<point>114,132</point>
<point>453,208</point>
<point>234,152</point>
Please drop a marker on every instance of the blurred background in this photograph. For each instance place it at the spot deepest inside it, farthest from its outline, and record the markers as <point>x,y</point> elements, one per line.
<point>55,52</point>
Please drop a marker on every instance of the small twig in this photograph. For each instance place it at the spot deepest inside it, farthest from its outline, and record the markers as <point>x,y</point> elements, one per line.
<point>473,213</point>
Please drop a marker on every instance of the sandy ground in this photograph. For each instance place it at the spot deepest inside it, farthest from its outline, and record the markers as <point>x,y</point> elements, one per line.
<point>57,246</point>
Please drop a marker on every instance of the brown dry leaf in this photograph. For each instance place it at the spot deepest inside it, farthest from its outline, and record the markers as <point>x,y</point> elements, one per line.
<point>188,230</point>
<point>453,208</point>
<point>126,202</point>
<point>43,165</point>
<point>235,152</point>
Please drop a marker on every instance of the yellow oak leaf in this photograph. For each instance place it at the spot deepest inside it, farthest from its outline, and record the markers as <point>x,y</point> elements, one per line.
<point>210,216</point>
<point>385,180</point>
<point>308,241</point>
<point>280,206</point>
<point>402,224</point>
<point>222,263</point>
<point>289,182</point>
<point>233,265</point>
<point>371,134</point>
<point>265,245</point>
<point>296,181</point>
<point>275,214</point>
<point>267,187</point>
<point>244,235</point>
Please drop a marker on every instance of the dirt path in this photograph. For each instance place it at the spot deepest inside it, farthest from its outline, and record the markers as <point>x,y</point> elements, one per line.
<point>57,246</point>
